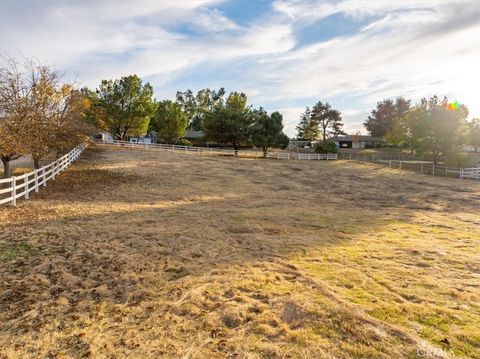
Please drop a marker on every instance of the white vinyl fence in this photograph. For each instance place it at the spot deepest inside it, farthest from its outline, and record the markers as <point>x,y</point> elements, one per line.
<point>219,151</point>
<point>472,173</point>
<point>317,156</point>
<point>421,167</point>
<point>16,187</point>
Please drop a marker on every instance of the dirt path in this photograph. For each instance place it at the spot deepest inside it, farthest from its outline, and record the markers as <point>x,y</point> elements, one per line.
<point>148,255</point>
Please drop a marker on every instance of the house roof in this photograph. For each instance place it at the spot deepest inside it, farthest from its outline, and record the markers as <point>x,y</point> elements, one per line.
<point>358,138</point>
<point>193,134</point>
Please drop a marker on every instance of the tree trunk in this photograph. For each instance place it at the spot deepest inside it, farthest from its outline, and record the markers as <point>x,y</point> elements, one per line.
<point>265,150</point>
<point>36,163</point>
<point>324,133</point>
<point>6,168</point>
<point>235,147</point>
<point>435,157</point>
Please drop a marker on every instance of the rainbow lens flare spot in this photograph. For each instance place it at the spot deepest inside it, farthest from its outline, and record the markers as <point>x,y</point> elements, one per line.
<point>453,106</point>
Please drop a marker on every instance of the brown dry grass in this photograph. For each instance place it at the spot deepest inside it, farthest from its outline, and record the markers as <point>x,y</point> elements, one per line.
<point>148,255</point>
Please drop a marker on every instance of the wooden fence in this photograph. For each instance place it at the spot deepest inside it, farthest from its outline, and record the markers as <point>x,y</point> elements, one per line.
<point>16,187</point>
<point>210,151</point>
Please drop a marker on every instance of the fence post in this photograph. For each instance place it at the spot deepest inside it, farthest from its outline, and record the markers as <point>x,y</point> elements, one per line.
<point>400,165</point>
<point>44,178</point>
<point>461,173</point>
<point>365,159</point>
<point>350,156</point>
<point>446,172</point>
<point>421,167</point>
<point>433,169</point>
<point>14,191</point>
<point>36,181</point>
<point>26,186</point>
<point>390,163</point>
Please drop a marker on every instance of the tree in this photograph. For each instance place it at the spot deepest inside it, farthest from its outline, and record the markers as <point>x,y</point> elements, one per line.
<point>13,114</point>
<point>329,120</point>
<point>410,129</point>
<point>125,106</point>
<point>196,106</point>
<point>267,130</point>
<point>11,143</point>
<point>39,114</point>
<point>169,121</point>
<point>71,123</point>
<point>229,123</point>
<point>443,128</point>
<point>56,114</point>
<point>306,129</point>
<point>327,146</point>
<point>383,119</point>
<point>473,135</point>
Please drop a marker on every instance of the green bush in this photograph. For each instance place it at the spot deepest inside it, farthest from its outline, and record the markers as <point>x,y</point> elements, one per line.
<point>458,159</point>
<point>183,142</point>
<point>327,146</point>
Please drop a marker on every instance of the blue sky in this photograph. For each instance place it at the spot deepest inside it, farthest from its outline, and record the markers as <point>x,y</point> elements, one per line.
<point>285,54</point>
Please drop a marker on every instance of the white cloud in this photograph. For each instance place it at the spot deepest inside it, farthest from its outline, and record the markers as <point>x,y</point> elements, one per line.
<point>404,54</point>
<point>407,48</point>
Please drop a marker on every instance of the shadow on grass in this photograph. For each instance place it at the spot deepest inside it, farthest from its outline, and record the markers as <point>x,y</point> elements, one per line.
<point>100,237</point>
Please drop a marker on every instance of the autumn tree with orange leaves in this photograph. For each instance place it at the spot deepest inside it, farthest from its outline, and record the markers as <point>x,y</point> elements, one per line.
<point>39,114</point>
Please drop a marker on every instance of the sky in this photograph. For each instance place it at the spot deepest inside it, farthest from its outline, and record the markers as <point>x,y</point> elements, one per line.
<point>284,54</point>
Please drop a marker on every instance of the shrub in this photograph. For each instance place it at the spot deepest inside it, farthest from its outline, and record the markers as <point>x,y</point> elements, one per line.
<point>327,146</point>
<point>458,159</point>
<point>183,142</point>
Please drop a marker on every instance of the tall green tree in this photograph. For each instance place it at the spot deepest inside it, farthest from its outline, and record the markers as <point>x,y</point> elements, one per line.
<point>195,106</point>
<point>267,130</point>
<point>169,121</point>
<point>327,119</point>
<point>125,106</point>
<point>307,129</point>
<point>383,119</point>
<point>229,122</point>
<point>411,129</point>
<point>473,135</point>
<point>445,127</point>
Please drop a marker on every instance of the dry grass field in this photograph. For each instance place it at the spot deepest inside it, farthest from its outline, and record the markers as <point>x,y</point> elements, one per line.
<point>148,255</point>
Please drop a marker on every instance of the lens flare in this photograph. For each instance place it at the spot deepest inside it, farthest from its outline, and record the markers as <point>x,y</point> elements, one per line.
<point>453,106</point>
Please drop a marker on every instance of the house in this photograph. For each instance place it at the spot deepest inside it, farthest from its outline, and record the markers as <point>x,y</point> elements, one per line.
<point>142,140</point>
<point>358,141</point>
<point>193,134</point>
<point>104,137</point>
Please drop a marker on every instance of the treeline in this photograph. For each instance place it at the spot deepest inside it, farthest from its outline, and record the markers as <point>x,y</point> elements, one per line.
<point>39,113</point>
<point>433,126</point>
<point>126,108</point>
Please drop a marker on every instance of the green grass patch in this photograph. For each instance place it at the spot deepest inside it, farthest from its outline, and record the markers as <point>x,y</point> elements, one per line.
<point>10,252</point>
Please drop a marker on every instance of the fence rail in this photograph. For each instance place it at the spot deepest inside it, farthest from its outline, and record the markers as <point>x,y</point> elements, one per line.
<point>421,167</point>
<point>17,187</point>
<point>219,151</point>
